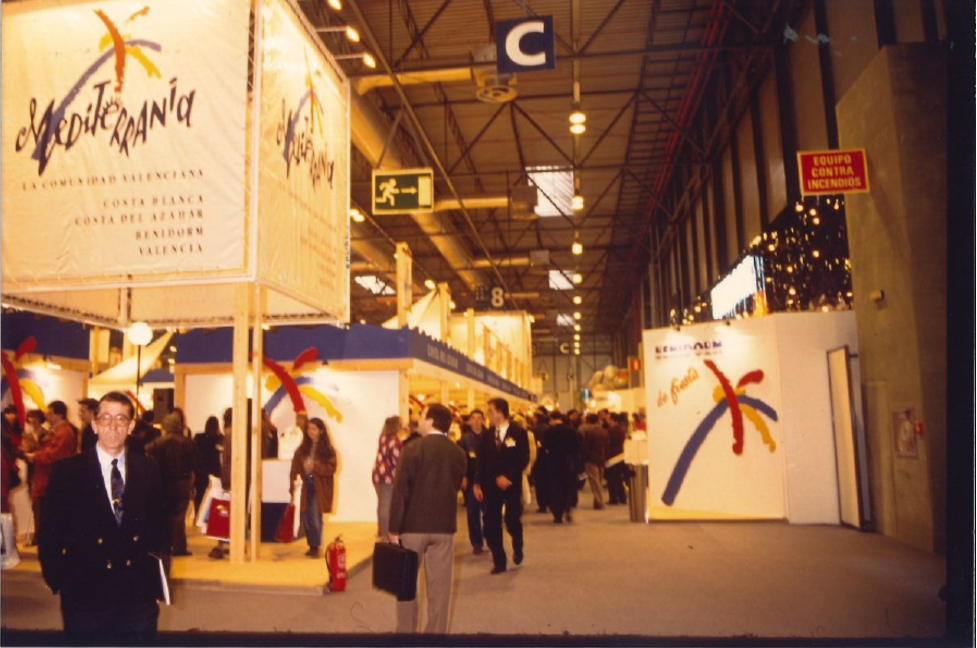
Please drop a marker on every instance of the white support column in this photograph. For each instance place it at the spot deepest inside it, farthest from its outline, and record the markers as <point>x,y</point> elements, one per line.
<point>405,283</point>
<point>444,296</point>
<point>239,422</point>
<point>257,348</point>
<point>470,319</point>
<point>403,396</point>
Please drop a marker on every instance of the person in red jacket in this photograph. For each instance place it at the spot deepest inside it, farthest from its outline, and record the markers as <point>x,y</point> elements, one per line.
<point>60,443</point>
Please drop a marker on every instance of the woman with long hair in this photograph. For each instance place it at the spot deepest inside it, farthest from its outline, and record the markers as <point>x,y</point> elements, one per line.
<point>315,462</point>
<point>388,453</point>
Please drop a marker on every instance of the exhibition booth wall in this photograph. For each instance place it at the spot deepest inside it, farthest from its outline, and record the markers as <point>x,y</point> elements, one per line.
<point>312,368</point>
<point>740,418</point>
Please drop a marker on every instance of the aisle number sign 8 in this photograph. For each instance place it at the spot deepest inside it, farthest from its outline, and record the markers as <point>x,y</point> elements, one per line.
<point>489,297</point>
<point>498,297</point>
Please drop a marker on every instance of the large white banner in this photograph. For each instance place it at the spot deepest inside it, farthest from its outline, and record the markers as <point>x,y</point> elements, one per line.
<point>715,442</point>
<point>303,167</point>
<point>123,135</point>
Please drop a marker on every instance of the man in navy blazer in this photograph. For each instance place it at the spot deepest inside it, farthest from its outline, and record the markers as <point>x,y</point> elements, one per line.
<point>98,551</point>
<point>503,458</point>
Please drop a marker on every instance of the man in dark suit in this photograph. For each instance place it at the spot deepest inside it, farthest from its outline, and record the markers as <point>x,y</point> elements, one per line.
<point>423,514</point>
<point>103,523</point>
<point>503,458</point>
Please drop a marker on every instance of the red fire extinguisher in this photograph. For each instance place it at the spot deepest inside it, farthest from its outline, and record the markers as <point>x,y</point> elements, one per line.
<point>336,562</point>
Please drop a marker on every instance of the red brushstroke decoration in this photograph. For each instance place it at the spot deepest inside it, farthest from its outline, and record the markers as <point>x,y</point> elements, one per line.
<point>734,406</point>
<point>309,355</point>
<point>16,395</point>
<point>119,45</point>
<point>140,410</point>
<point>753,377</point>
<point>292,389</point>
<point>27,346</point>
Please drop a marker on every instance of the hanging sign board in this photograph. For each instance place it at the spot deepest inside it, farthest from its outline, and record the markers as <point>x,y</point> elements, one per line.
<point>525,45</point>
<point>123,134</point>
<point>406,191</point>
<point>832,172</point>
<point>303,166</point>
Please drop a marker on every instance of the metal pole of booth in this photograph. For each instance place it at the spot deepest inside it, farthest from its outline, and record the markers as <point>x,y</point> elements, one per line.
<point>138,374</point>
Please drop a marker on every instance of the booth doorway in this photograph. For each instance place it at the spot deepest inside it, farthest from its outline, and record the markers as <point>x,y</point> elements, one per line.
<point>849,437</point>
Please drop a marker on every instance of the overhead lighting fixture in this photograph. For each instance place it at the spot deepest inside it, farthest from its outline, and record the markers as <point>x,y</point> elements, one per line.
<point>532,320</point>
<point>352,35</point>
<point>577,204</point>
<point>452,305</point>
<point>576,327</point>
<point>577,247</point>
<point>356,215</point>
<point>577,315</point>
<point>139,333</point>
<point>576,337</point>
<point>335,4</point>
<point>578,122</point>
<point>576,352</point>
<point>368,59</point>
<point>429,284</point>
<point>577,278</point>
<point>577,299</point>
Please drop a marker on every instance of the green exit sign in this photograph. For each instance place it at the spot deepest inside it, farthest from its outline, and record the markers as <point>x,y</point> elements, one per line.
<point>406,191</point>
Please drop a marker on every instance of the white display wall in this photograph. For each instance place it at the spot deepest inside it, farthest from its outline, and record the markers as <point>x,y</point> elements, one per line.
<point>739,418</point>
<point>352,404</point>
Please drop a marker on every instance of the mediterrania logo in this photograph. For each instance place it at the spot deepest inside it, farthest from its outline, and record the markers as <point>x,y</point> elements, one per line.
<point>61,125</point>
<point>299,144</point>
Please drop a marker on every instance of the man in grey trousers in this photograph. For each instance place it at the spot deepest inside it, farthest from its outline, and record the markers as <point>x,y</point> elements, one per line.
<point>423,514</point>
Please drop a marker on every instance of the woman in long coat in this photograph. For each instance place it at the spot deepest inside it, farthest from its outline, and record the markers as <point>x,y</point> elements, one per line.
<point>315,463</point>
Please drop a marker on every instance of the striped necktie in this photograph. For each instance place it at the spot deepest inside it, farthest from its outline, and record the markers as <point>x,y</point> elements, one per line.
<point>118,489</point>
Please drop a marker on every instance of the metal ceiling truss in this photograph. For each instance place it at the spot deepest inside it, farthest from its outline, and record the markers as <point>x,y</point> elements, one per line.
<point>643,91</point>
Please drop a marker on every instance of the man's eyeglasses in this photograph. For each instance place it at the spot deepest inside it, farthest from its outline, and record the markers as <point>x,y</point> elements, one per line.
<point>119,420</point>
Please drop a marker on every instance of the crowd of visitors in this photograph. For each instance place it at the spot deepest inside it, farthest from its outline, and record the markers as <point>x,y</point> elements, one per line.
<point>506,461</point>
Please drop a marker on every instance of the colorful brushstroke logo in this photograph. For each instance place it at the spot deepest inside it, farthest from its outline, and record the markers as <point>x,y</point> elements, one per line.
<point>17,380</point>
<point>292,384</point>
<point>739,405</point>
<point>306,144</point>
<point>60,126</point>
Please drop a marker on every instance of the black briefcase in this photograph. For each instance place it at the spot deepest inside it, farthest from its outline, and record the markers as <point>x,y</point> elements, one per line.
<point>395,570</point>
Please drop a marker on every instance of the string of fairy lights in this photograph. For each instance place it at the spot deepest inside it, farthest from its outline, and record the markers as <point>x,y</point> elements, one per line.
<point>805,264</point>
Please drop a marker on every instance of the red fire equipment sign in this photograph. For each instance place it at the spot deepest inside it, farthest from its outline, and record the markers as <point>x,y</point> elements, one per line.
<point>832,172</point>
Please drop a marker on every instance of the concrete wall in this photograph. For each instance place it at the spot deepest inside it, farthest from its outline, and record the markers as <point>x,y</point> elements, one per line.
<point>896,110</point>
